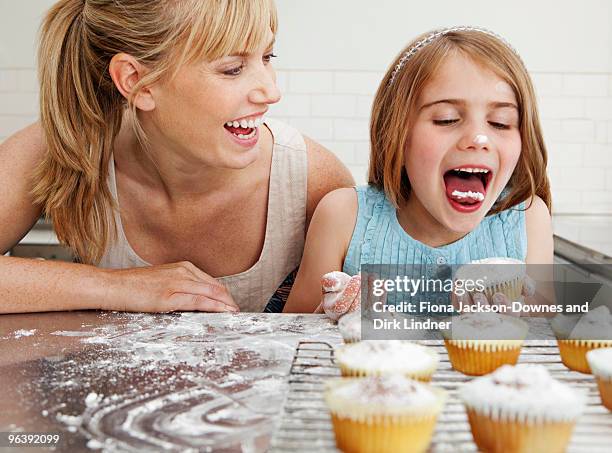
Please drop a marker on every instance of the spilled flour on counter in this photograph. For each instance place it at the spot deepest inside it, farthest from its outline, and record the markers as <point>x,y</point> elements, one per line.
<point>23,333</point>
<point>177,382</point>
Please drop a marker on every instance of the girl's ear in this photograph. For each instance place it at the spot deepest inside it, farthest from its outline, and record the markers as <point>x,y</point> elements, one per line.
<point>126,72</point>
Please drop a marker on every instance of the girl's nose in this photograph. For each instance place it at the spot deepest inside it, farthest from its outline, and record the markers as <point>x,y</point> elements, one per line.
<point>474,140</point>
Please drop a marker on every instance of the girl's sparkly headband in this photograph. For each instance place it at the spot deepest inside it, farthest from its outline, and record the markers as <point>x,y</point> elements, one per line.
<point>435,35</point>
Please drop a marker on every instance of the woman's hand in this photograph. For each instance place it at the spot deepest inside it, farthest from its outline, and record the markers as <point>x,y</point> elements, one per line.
<point>341,294</point>
<point>165,288</point>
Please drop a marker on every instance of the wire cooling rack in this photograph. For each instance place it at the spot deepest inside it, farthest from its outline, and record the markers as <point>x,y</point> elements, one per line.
<point>306,425</point>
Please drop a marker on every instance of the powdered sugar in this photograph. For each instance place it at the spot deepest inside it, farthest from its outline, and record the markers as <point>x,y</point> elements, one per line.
<point>600,361</point>
<point>350,326</point>
<point>486,326</point>
<point>24,333</point>
<point>526,393</point>
<point>183,382</point>
<point>594,325</point>
<point>387,356</point>
<point>390,391</point>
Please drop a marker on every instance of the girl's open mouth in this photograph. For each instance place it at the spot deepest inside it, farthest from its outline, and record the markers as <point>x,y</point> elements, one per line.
<point>466,187</point>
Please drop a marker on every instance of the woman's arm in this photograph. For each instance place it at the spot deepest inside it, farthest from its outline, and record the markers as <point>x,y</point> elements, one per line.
<point>33,285</point>
<point>327,241</point>
<point>19,155</point>
<point>325,173</point>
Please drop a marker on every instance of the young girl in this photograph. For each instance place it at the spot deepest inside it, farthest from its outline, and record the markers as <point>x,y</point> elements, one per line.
<point>457,168</point>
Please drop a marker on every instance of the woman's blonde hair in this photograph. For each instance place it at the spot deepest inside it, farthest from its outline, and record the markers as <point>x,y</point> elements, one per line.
<point>82,110</point>
<point>395,104</point>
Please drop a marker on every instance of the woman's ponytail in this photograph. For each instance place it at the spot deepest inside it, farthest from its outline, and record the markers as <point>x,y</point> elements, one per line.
<point>81,113</point>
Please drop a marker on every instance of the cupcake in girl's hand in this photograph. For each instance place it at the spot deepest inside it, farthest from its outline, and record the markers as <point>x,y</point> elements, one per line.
<point>350,327</point>
<point>383,413</point>
<point>593,330</point>
<point>479,343</point>
<point>600,362</point>
<point>383,357</point>
<point>499,276</point>
<point>520,409</point>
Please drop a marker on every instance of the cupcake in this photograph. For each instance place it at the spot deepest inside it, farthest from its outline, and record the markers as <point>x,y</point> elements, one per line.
<point>382,357</point>
<point>498,275</point>
<point>520,409</point>
<point>350,327</point>
<point>478,343</point>
<point>383,414</point>
<point>600,361</point>
<point>592,330</point>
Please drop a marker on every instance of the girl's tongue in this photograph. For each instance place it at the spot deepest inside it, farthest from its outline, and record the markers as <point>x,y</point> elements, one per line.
<point>463,187</point>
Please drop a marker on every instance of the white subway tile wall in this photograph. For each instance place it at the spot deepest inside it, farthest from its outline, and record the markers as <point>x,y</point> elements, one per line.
<point>334,109</point>
<point>575,109</point>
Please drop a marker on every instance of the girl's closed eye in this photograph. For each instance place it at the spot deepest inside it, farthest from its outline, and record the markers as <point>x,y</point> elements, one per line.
<point>499,125</point>
<point>446,122</point>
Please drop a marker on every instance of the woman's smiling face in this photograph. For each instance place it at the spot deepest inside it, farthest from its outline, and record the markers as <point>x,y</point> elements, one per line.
<point>211,111</point>
<point>464,143</point>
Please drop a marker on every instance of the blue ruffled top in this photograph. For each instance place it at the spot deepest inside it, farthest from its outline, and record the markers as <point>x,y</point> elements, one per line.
<point>378,238</point>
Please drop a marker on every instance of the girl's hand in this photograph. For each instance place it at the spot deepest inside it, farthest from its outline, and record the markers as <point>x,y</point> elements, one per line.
<point>341,294</point>
<point>165,288</point>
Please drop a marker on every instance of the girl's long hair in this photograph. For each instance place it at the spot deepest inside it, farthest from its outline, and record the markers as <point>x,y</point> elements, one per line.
<point>82,110</point>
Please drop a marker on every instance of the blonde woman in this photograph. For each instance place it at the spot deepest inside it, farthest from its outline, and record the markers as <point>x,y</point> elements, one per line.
<point>155,163</point>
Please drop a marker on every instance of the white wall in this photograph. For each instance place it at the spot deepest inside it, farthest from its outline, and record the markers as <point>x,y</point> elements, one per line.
<point>332,54</point>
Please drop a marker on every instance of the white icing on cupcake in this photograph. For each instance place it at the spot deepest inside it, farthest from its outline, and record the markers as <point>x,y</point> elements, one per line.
<point>600,361</point>
<point>390,395</point>
<point>388,390</point>
<point>387,356</point>
<point>350,327</point>
<point>562,325</point>
<point>526,393</point>
<point>594,325</point>
<point>492,270</point>
<point>486,326</point>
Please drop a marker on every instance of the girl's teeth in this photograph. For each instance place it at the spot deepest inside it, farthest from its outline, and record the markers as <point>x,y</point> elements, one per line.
<point>472,170</point>
<point>236,124</point>
<point>244,124</point>
<point>251,123</point>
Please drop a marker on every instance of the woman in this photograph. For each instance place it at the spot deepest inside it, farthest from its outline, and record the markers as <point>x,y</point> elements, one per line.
<point>155,164</point>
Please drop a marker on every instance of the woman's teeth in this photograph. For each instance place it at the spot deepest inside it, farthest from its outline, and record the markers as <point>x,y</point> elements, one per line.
<point>244,124</point>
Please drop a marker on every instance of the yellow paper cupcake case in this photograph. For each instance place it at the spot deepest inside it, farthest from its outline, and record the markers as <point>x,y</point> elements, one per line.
<point>478,357</point>
<point>363,428</point>
<point>573,352</point>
